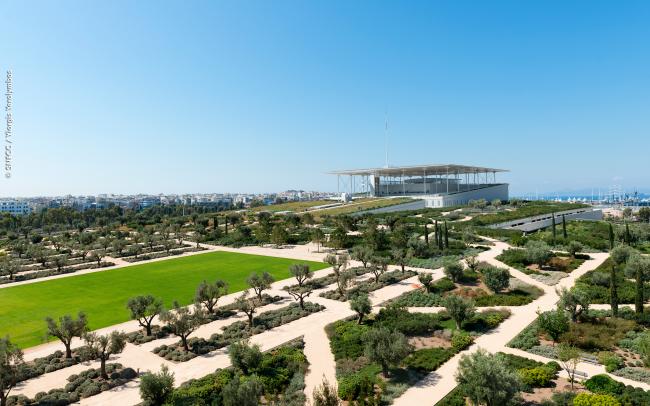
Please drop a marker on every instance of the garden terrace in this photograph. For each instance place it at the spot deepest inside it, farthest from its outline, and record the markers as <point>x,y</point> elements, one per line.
<point>597,283</point>
<point>236,331</point>
<point>280,372</point>
<point>102,295</point>
<point>432,339</point>
<point>518,294</point>
<point>616,343</point>
<point>369,285</point>
<point>558,266</point>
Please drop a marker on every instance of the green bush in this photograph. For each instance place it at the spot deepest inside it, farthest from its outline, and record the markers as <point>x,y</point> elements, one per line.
<point>461,340</point>
<point>590,399</point>
<point>527,338</point>
<point>537,377</point>
<point>443,285</point>
<point>346,339</point>
<point>611,361</point>
<point>428,359</point>
<point>602,383</point>
<point>410,324</point>
<point>357,386</point>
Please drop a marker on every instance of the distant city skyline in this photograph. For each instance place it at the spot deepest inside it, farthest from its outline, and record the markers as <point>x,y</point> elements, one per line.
<point>167,97</point>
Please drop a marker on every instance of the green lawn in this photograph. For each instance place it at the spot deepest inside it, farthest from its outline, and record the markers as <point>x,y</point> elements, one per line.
<point>103,295</point>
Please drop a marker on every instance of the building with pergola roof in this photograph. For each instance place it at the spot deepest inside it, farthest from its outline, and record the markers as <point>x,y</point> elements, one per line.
<point>438,185</point>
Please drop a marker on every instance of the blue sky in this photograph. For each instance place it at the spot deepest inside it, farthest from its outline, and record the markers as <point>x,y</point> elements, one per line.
<point>127,97</point>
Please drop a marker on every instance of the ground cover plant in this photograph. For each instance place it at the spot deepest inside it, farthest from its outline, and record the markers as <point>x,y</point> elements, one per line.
<point>102,295</point>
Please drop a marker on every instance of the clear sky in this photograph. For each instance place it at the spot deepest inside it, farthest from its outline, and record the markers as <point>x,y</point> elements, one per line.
<point>241,96</point>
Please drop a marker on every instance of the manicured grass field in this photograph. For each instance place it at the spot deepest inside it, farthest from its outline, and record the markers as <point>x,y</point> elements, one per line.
<point>103,295</point>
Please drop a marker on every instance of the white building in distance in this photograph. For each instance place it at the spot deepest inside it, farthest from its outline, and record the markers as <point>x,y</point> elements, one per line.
<point>435,185</point>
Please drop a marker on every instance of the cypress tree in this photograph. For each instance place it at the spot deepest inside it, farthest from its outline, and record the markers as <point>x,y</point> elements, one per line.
<point>554,229</point>
<point>611,236</point>
<point>446,235</point>
<point>215,222</point>
<point>564,234</point>
<point>638,302</point>
<point>426,233</point>
<point>613,291</point>
<point>226,224</point>
<point>628,237</point>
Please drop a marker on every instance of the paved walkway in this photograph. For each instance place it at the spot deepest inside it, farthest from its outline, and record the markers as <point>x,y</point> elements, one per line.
<point>439,383</point>
<point>311,328</point>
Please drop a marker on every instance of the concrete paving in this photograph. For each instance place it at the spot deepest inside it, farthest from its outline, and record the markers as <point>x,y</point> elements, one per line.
<point>311,328</point>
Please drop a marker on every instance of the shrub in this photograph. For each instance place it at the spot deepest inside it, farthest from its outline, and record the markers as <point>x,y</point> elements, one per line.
<point>443,285</point>
<point>527,338</point>
<point>602,383</point>
<point>611,361</point>
<point>355,386</point>
<point>155,388</point>
<point>537,377</point>
<point>428,359</point>
<point>496,279</point>
<point>590,399</point>
<point>460,341</point>
<point>89,390</point>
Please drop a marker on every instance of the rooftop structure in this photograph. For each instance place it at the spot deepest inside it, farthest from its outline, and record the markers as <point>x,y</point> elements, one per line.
<point>439,185</point>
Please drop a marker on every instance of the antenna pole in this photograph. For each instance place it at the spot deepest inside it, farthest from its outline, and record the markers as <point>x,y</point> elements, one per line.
<point>386,139</point>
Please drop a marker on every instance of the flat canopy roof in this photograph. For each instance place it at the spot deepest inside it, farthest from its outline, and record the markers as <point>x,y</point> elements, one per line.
<point>418,170</point>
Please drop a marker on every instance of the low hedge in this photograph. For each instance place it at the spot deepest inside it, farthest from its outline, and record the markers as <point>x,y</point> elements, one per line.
<point>83,385</point>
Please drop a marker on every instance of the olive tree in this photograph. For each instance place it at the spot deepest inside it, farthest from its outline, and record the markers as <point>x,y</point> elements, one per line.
<point>453,269</point>
<point>538,252</point>
<point>302,289</point>
<point>208,294</point>
<point>569,358</point>
<point>487,379</point>
<point>574,301</point>
<point>103,346</point>
<point>242,392</point>
<point>182,321</point>
<point>553,323</point>
<point>574,247</point>
<point>8,266</point>
<point>496,279</point>
<point>248,306</point>
<point>459,308</point>
<point>426,280</point>
<point>144,309</point>
<point>66,329</point>
<point>245,357</point>
<point>363,254</point>
<point>260,282</point>
<point>385,347</point>
<point>317,237</point>
<point>11,361</point>
<point>155,388</point>
<point>360,303</point>
<point>401,256</point>
<point>378,267</point>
